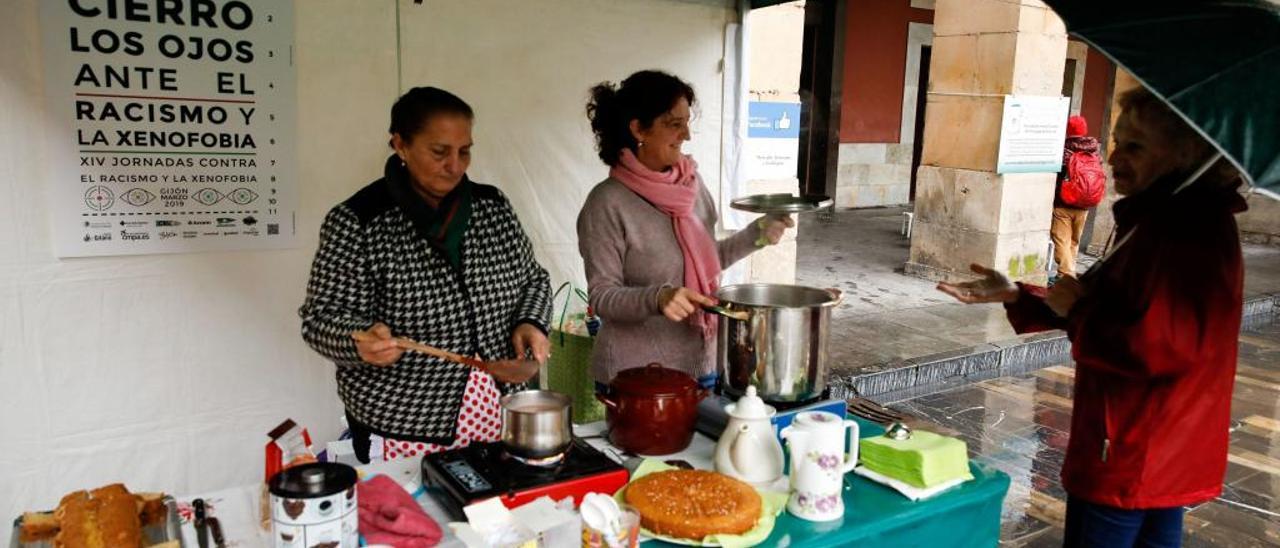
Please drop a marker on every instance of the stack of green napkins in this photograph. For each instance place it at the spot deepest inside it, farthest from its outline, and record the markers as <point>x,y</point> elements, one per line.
<point>924,460</point>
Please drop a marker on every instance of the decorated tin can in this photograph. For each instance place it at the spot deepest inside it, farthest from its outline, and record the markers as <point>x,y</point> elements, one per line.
<point>314,505</point>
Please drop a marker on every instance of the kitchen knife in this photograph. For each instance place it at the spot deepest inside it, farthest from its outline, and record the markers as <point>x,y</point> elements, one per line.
<point>202,530</point>
<point>215,527</point>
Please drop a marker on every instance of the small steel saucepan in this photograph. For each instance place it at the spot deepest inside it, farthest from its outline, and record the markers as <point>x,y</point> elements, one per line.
<point>535,423</point>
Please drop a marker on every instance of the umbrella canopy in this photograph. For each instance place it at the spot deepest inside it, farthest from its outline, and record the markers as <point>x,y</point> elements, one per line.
<point>1216,62</point>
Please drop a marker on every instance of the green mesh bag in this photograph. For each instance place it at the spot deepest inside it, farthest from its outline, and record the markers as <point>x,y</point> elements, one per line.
<point>569,369</point>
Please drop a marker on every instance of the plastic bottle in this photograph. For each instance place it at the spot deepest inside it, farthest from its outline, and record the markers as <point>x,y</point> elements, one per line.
<point>593,322</point>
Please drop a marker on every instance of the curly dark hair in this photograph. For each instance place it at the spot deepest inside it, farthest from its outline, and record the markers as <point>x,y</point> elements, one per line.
<point>412,110</point>
<point>643,96</point>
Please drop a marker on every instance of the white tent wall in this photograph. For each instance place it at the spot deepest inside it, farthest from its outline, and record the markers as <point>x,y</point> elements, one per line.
<point>165,371</point>
<point>527,67</point>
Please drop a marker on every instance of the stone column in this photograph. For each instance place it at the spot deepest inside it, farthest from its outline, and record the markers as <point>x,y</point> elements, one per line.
<point>1104,223</point>
<point>964,211</point>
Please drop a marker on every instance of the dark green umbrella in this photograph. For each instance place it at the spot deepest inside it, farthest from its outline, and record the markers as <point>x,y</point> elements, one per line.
<point>1216,62</point>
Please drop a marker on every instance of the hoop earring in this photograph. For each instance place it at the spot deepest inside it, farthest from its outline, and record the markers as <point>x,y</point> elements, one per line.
<point>640,143</point>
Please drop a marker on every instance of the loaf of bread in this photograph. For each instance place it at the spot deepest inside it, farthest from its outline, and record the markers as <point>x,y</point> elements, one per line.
<point>692,504</point>
<point>107,517</point>
<point>37,527</point>
<point>78,522</point>
<point>118,516</point>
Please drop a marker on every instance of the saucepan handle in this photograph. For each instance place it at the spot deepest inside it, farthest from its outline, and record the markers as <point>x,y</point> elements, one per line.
<point>606,401</point>
<point>740,315</point>
<point>837,294</point>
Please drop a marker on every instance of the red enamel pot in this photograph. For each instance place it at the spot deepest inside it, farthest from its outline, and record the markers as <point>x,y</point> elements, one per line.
<point>651,410</point>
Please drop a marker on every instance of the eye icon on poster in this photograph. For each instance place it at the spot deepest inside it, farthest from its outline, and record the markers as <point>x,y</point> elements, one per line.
<point>138,197</point>
<point>99,198</point>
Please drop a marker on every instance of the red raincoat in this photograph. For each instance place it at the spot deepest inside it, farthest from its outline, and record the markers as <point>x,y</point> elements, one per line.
<point>1154,341</point>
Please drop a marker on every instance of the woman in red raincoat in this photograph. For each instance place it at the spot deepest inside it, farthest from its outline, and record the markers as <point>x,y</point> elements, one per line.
<point>1153,328</point>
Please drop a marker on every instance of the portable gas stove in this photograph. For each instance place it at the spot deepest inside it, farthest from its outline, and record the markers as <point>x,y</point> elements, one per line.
<point>481,471</point>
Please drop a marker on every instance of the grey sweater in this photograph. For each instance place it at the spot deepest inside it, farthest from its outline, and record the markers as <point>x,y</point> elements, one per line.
<point>630,252</point>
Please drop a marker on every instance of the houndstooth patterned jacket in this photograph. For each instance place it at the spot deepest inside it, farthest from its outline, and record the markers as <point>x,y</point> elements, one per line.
<point>374,265</point>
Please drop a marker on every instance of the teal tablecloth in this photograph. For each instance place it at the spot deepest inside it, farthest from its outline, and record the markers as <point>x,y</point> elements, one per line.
<point>967,516</point>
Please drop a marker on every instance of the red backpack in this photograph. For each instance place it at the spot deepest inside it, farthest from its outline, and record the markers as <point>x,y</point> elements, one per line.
<point>1086,182</point>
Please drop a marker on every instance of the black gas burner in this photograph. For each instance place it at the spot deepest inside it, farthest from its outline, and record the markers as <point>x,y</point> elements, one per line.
<point>485,470</point>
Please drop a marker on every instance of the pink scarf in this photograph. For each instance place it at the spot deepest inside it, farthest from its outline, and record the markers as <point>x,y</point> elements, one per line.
<point>674,192</point>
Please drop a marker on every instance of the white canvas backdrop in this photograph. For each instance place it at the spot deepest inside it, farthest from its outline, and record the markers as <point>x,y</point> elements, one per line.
<point>526,68</point>
<point>165,371</point>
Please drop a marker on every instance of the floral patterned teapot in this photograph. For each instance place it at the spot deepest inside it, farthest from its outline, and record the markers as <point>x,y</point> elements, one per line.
<point>816,443</point>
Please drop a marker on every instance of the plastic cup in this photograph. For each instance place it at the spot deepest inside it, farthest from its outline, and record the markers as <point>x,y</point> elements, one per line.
<point>629,536</point>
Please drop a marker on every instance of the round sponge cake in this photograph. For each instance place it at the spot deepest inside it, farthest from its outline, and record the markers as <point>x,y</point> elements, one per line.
<point>692,504</point>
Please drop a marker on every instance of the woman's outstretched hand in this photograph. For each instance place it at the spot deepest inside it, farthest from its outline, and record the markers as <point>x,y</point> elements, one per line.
<point>994,287</point>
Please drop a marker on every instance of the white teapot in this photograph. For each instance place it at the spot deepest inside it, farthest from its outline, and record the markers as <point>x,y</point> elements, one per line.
<point>748,449</point>
<point>816,443</point>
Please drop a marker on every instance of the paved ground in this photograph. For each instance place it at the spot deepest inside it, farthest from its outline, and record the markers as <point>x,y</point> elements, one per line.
<point>888,317</point>
<point>1019,425</point>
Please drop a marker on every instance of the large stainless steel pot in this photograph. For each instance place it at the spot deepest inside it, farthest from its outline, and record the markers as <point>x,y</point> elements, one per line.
<point>774,337</point>
<point>535,423</point>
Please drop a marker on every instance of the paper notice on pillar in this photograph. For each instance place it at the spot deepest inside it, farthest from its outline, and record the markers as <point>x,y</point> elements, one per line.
<point>773,140</point>
<point>171,125</point>
<point>1032,134</point>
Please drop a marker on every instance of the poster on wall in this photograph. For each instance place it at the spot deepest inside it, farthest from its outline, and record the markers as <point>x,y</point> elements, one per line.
<point>773,140</point>
<point>1032,132</point>
<point>171,125</point>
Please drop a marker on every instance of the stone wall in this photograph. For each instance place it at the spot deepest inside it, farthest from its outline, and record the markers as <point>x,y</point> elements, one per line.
<point>1261,224</point>
<point>879,174</point>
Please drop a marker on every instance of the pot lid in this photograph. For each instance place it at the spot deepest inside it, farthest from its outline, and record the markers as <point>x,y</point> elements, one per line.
<point>314,480</point>
<point>653,380</point>
<point>750,406</point>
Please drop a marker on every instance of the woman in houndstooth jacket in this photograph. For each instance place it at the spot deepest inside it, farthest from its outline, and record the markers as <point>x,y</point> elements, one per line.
<point>426,254</point>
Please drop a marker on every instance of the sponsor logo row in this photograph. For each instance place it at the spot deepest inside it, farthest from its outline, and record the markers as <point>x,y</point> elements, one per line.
<point>221,222</point>
<point>127,235</point>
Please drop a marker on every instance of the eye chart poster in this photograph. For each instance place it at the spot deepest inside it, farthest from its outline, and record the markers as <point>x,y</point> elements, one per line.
<point>171,125</point>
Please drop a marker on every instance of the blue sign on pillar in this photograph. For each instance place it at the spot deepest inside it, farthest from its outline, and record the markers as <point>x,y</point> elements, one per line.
<point>773,140</point>
<point>773,120</point>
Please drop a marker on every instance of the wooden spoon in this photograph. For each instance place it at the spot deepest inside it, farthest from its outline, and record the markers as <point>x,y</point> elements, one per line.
<point>410,344</point>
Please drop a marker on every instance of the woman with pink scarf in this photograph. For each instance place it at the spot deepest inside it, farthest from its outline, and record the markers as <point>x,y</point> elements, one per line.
<point>647,233</point>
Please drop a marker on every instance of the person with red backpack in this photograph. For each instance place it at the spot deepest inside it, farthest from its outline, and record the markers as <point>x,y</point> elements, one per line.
<point>1081,186</point>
